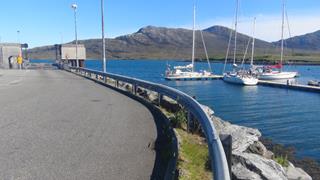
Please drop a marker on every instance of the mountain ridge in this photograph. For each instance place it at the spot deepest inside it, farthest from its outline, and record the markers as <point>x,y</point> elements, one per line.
<point>153,42</point>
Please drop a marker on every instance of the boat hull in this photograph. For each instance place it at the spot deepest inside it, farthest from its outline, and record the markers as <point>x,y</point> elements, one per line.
<point>277,76</point>
<point>191,76</point>
<point>242,80</point>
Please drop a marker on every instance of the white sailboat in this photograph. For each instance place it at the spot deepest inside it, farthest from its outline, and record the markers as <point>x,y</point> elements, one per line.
<point>275,72</point>
<point>238,75</point>
<point>188,72</point>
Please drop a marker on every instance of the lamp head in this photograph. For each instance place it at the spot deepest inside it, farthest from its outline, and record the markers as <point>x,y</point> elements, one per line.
<point>74,6</point>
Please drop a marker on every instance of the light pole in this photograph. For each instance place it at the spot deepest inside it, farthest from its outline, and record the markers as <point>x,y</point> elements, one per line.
<point>103,38</point>
<point>18,36</point>
<point>74,7</point>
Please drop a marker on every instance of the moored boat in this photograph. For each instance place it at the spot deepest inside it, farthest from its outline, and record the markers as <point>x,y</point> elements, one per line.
<point>188,72</point>
<point>240,75</point>
<point>313,83</point>
<point>276,72</point>
<point>242,79</point>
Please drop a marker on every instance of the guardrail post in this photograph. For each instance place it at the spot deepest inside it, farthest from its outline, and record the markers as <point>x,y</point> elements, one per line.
<point>189,120</point>
<point>226,141</point>
<point>134,89</point>
<point>160,96</point>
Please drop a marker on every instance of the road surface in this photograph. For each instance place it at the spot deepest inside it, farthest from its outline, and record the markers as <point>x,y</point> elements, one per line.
<point>55,125</point>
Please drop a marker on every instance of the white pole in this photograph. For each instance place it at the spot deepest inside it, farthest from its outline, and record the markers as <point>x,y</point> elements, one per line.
<point>253,40</point>
<point>18,36</point>
<point>193,35</point>
<point>74,7</point>
<point>282,31</point>
<point>103,38</point>
<point>235,34</point>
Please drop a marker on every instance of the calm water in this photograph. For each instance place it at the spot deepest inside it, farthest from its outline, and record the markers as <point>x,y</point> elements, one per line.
<point>287,116</point>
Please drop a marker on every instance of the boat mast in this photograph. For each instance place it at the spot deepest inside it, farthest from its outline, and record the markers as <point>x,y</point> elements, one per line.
<point>235,35</point>
<point>193,34</point>
<point>253,41</point>
<point>282,32</point>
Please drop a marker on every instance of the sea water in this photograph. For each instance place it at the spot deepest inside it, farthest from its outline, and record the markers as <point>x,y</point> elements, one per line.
<point>288,117</point>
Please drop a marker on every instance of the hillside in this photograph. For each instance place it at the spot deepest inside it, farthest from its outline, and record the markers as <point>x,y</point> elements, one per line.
<point>167,43</point>
<point>310,41</point>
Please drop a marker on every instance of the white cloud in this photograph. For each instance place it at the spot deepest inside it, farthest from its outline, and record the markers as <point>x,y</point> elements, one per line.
<point>268,27</point>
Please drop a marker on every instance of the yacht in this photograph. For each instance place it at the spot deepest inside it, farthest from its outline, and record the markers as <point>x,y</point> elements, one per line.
<point>276,72</point>
<point>188,72</point>
<point>239,75</point>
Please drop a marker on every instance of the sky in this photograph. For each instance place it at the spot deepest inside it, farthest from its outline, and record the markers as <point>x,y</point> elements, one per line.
<point>46,22</point>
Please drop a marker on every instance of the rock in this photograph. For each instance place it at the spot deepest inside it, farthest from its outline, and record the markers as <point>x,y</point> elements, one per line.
<point>250,158</point>
<point>208,110</point>
<point>242,173</point>
<point>242,137</point>
<point>294,173</point>
<point>152,96</point>
<point>265,168</point>
<point>258,148</point>
<point>170,105</point>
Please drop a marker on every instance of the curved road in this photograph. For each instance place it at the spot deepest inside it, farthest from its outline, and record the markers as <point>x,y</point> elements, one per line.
<point>55,125</point>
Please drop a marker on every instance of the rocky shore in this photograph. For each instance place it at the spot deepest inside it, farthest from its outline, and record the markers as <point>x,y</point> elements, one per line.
<point>250,158</point>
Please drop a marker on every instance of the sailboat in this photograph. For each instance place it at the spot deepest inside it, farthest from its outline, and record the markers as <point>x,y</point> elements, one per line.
<point>275,72</point>
<point>238,75</point>
<point>188,72</point>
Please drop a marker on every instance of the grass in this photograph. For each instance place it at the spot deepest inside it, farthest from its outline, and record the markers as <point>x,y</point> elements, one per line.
<point>193,153</point>
<point>179,119</point>
<point>282,160</point>
<point>193,157</point>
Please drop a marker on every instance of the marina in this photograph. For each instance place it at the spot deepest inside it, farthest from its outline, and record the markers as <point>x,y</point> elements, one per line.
<point>160,102</point>
<point>269,106</point>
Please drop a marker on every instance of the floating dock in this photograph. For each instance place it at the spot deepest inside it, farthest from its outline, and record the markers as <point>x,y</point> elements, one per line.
<point>294,86</point>
<point>290,86</point>
<point>188,78</point>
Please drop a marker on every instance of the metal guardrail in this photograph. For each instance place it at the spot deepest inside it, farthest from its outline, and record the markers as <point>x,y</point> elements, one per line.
<point>219,162</point>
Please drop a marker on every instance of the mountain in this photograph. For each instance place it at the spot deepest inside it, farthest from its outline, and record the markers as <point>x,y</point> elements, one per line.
<point>310,41</point>
<point>166,43</point>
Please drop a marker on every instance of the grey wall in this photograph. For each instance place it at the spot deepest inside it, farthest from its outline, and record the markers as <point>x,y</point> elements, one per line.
<point>69,52</point>
<point>7,50</point>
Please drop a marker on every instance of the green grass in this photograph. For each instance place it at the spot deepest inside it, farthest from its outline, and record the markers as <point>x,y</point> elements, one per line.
<point>193,157</point>
<point>193,153</point>
<point>282,160</point>
<point>179,119</point>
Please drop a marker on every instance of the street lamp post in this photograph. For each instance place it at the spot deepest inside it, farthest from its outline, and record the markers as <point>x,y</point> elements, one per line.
<point>18,36</point>
<point>74,7</point>
<point>103,39</point>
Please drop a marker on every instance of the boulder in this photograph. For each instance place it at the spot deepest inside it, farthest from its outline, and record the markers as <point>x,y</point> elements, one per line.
<point>294,173</point>
<point>239,172</point>
<point>258,148</point>
<point>242,137</point>
<point>265,168</point>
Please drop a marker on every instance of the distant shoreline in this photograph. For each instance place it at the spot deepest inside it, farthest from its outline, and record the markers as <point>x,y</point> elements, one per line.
<point>257,62</point>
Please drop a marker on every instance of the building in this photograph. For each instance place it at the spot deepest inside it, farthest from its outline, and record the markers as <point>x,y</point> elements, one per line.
<point>8,54</point>
<point>68,53</point>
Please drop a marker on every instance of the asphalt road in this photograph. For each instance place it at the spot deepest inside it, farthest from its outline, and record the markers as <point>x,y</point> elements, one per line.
<point>55,125</point>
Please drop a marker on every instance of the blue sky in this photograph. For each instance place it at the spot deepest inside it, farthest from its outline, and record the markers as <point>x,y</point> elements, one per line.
<point>45,22</point>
